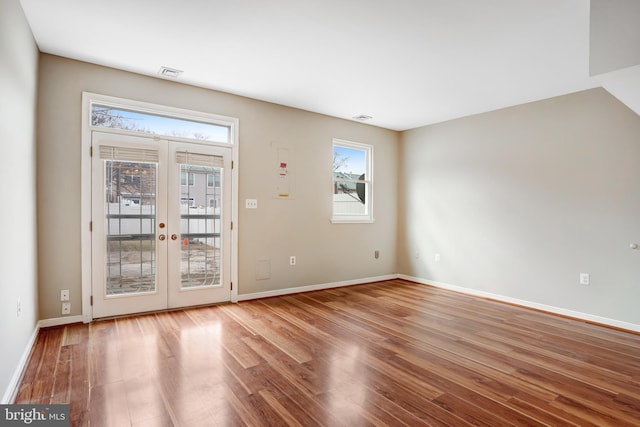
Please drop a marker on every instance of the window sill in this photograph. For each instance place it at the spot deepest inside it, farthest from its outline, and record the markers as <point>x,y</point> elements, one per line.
<point>338,220</point>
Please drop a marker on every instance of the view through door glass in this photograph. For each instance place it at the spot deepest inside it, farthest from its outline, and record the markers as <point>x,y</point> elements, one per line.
<point>130,218</point>
<point>200,226</point>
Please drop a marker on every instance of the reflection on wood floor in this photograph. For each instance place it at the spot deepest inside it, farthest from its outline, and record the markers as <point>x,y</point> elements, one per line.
<point>388,353</point>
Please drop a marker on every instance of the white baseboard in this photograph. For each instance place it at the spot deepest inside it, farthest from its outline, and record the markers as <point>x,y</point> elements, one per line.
<point>58,321</point>
<point>528,304</point>
<point>287,291</point>
<point>12,389</point>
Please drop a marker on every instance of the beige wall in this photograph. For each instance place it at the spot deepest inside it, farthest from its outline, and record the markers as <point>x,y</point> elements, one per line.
<point>519,201</point>
<point>277,229</point>
<point>614,53</point>
<point>614,35</point>
<point>19,65</point>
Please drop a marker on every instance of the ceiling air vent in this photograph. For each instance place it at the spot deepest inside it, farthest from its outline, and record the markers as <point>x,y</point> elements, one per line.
<point>171,73</point>
<point>362,117</point>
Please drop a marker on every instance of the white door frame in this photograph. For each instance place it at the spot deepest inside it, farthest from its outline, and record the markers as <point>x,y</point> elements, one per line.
<point>86,151</point>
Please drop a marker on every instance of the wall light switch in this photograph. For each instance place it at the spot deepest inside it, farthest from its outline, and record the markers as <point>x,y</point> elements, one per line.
<point>251,203</point>
<point>64,295</point>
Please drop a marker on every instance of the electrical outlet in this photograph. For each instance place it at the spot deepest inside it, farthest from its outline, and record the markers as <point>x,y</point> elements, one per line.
<point>584,278</point>
<point>64,295</point>
<point>66,308</point>
<point>376,254</point>
<point>292,260</point>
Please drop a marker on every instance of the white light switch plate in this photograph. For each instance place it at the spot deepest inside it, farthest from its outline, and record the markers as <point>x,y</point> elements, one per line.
<point>584,278</point>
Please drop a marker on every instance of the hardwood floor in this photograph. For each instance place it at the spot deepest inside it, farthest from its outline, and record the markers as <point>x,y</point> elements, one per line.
<point>386,354</point>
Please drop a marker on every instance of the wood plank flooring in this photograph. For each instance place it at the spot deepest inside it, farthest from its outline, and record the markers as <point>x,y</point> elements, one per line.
<point>383,354</point>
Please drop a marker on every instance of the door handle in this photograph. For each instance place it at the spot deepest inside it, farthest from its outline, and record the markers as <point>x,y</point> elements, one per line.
<point>162,237</point>
<point>174,237</point>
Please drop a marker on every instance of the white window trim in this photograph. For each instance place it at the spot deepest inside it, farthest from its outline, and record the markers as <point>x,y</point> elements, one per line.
<point>88,99</point>
<point>356,219</point>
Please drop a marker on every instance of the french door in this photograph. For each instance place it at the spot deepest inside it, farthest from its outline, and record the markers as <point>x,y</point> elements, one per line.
<point>161,213</point>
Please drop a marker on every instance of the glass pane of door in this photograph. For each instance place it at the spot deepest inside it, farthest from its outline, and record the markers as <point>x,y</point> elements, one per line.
<point>200,226</point>
<point>130,224</point>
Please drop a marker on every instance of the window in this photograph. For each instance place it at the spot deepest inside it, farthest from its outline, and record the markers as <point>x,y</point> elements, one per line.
<point>187,201</point>
<point>114,117</point>
<point>186,175</point>
<point>210,180</point>
<point>129,179</point>
<point>352,182</point>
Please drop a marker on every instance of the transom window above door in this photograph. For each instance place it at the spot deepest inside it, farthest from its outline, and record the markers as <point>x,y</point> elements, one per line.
<point>114,117</point>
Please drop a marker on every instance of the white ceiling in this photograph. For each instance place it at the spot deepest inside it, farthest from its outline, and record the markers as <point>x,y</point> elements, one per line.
<point>407,63</point>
